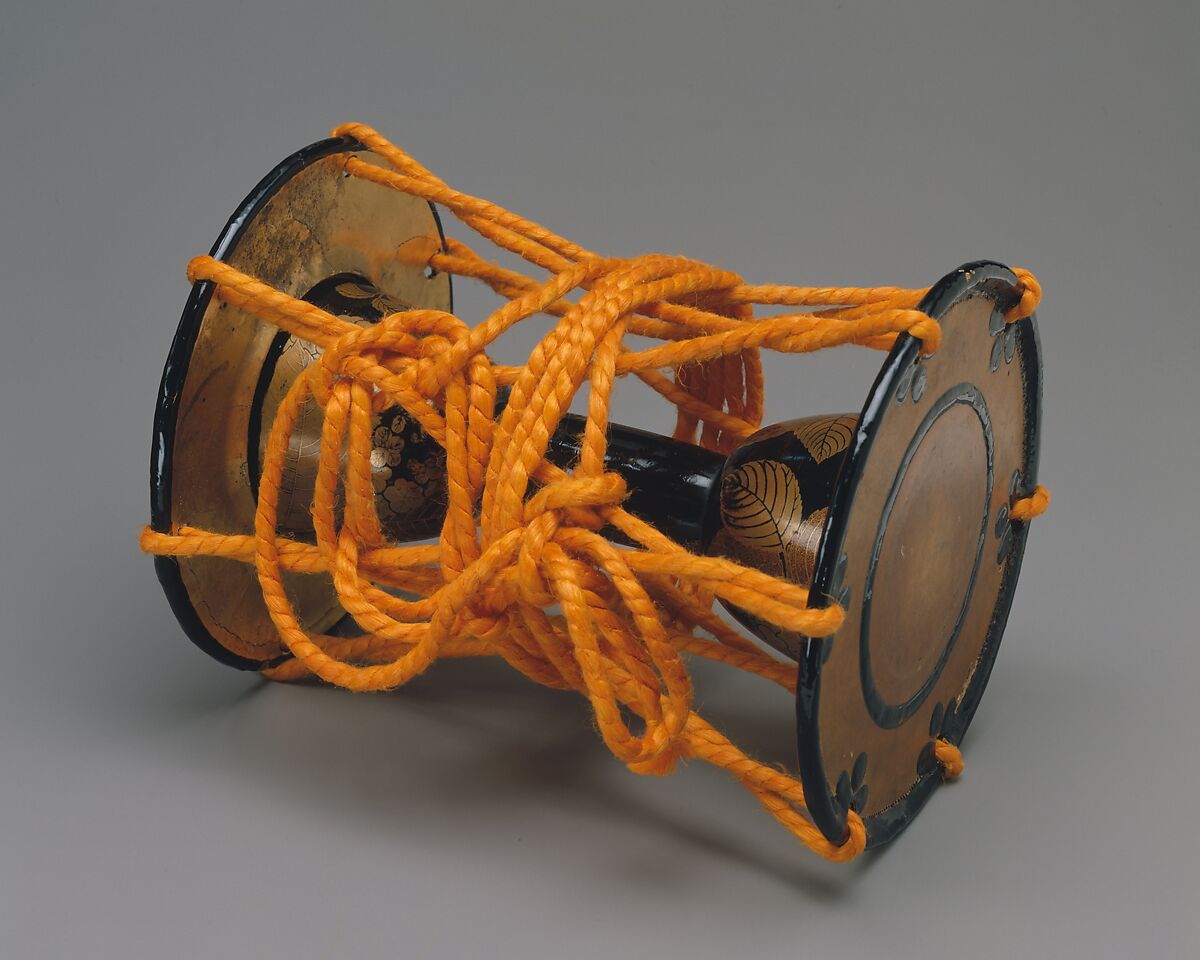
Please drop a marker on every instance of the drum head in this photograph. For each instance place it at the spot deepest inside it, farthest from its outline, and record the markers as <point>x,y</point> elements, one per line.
<point>921,552</point>
<point>313,232</point>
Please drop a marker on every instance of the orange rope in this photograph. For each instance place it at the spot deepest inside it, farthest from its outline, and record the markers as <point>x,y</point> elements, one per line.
<point>520,534</point>
<point>950,757</point>
<point>1034,505</point>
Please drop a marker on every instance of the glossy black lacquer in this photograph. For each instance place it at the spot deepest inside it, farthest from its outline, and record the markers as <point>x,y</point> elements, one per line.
<point>672,484</point>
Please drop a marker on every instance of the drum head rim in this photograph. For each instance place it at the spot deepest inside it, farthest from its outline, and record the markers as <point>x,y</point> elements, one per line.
<point>175,372</point>
<point>979,278</point>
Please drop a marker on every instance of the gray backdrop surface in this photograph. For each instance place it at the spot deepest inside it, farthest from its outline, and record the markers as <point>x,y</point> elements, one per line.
<point>156,804</point>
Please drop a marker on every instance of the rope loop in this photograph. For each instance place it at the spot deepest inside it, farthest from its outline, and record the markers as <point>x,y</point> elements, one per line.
<point>1031,296</point>
<point>950,757</point>
<point>1034,505</point>
<point>522,569</point>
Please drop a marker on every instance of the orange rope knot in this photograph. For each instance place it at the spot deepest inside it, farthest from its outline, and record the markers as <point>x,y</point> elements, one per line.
<point>950,757</point>
<point>521,569</point>
<point>1031,296</point>
<point>1034,505</point>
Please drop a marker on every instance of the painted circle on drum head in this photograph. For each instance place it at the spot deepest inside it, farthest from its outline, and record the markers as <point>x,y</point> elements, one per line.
<point>927,552</point>
<point>921,551</point>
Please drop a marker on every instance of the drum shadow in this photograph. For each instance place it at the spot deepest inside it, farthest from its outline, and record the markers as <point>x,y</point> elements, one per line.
<point>477,745</point>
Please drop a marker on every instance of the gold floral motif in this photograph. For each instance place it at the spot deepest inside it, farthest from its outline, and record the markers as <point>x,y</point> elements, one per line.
<point>404,497</point>
<point>388,444</point>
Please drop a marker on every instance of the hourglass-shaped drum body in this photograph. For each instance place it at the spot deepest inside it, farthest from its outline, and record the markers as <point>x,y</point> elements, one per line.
<point>899,512</point>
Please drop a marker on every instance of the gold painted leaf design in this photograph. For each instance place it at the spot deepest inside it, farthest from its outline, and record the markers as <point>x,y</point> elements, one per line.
<point>761,505</point>
<point>724,545</point>
<point>800,553</point>
<point>825,437</point>
<point>355,290</point>
<point>388,305</point>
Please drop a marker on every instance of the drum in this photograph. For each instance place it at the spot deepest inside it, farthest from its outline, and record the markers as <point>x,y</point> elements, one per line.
<point>423,501</point>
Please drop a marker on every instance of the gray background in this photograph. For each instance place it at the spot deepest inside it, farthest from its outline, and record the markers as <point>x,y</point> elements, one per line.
<point>154,803</point>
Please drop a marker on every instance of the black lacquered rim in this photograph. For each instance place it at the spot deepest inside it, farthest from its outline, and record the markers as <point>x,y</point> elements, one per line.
<point>979,278</point>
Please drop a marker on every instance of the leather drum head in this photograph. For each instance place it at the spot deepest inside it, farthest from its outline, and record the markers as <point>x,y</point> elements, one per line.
<point>312,232</point>
<point>920,550</point>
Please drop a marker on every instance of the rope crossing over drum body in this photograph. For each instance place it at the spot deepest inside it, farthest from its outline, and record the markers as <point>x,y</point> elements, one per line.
<point>522,568</point>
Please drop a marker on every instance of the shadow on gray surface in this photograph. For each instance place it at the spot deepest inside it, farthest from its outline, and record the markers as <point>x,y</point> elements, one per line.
<point>475,744</point>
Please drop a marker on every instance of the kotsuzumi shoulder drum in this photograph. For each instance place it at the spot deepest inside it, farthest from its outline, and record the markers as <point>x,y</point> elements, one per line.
<point>346,485</point>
